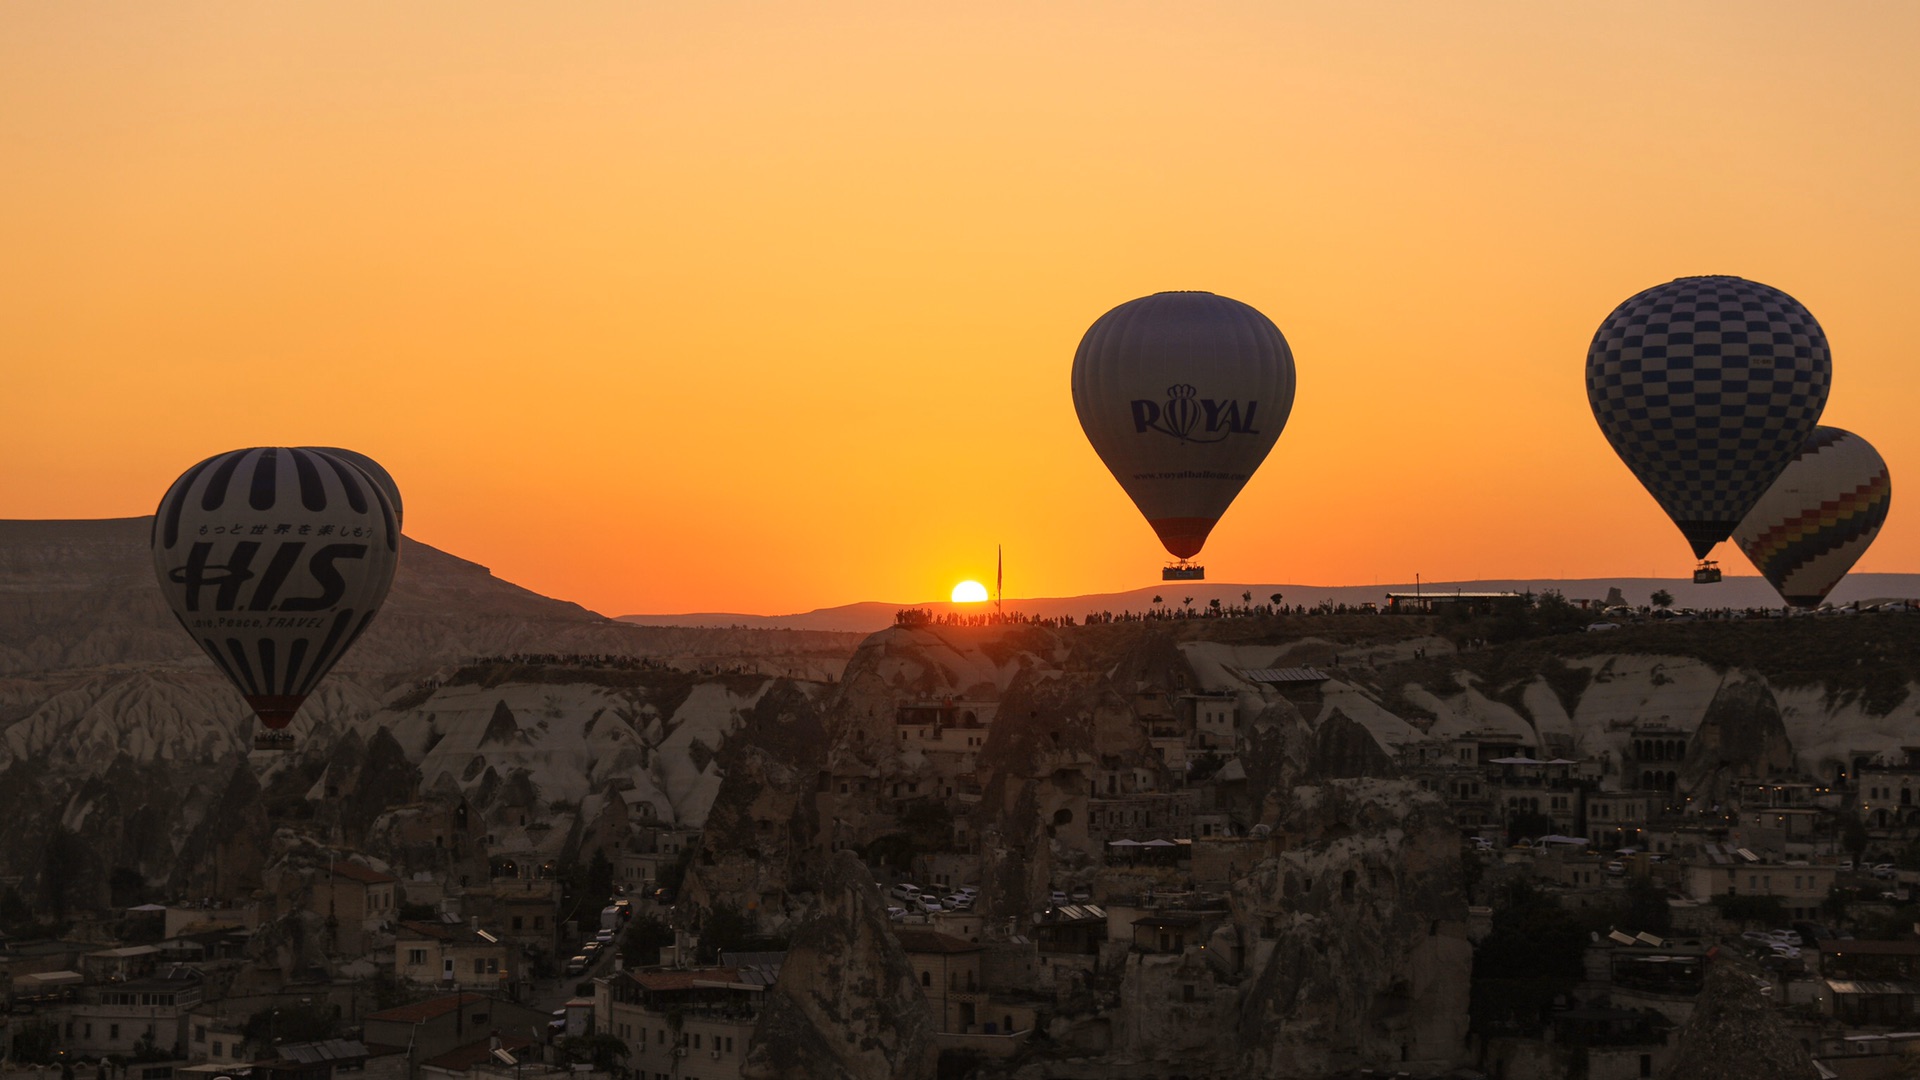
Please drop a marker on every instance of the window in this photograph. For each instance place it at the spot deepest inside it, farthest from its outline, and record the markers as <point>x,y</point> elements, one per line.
<point>219,1048</point>
<point>696,1042</point>
<point>516,922</point>
<point>416,957</point>
<point>926,978</point>
<point>479,966</point>
<point>113,1031</point>
<point>199,1033</point>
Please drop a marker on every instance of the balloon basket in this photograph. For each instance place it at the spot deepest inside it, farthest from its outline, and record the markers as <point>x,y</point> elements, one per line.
<point>1706,573</point>
<point>272,739</point>
<point>1183,571</point>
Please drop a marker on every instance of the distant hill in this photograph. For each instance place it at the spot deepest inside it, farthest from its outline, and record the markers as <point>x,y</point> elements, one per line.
<point>80,595</point>
<point>1734,592</point>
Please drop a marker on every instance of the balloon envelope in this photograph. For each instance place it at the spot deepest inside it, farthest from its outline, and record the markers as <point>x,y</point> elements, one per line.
<point>1707,387</point>
<point>275,560</point>
<point>1817,520</point>
<point>376,471</point>
<point>1182,394</point>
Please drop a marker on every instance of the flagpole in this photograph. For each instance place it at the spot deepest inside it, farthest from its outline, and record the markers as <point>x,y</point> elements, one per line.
<point>999,579</point>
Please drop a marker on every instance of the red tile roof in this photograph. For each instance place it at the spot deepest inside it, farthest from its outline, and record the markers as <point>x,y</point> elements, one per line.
<point>462,1058</point>
<point>422,1011</point>
<point>426,929</point>
<point>683,980</point>
<point>363,875</point>
<point>916,939</point>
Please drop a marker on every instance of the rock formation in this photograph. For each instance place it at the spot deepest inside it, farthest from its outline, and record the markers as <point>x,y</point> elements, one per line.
<point>1736,1034</point>
<point>846,1004</point>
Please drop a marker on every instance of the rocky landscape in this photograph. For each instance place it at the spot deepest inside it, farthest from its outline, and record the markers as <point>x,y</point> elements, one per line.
<point>1324,891</point>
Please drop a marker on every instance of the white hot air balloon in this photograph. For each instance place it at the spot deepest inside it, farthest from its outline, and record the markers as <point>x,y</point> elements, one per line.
<point>1182,394</point>
<point>275,559</point>
<point>1819,517</point>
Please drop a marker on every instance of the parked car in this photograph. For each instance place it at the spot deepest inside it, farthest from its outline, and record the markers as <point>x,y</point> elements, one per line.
<point>958,902</point>
<point>904,891</point>
<point>1081,895</point>
<point>896,913</point>
<point>576,965</point>
<point>929,904</point>
<point>1057,898</point>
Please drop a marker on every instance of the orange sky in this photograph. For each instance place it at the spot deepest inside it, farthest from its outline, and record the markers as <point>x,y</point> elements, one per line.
<point>763,307</point>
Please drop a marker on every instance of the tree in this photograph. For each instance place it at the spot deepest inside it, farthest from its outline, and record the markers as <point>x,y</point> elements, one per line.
<point>600,876</point>
<point>645,937</point>
<point>1647,909</point>
<point>1535,950</point>
<point>723,930</point>
<point>1527,824</point>
<point>1276,598</point>
<point>1662,599</point>
<point>600,1050</point>
<point>62,864</point>
<point>1853,836</point>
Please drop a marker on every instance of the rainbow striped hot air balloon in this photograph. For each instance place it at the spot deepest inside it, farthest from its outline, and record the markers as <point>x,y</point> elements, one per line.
<point>1819,517</point>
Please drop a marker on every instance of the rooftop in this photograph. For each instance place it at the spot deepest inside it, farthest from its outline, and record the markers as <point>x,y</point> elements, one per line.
<point>431,1009</point>
<point>362,874</point>
<point>916,939</point>
<point>462,1058</point>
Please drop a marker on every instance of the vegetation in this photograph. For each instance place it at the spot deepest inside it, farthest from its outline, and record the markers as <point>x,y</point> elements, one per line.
<point>304,1021</point>
<point>725,930</point>
<point>1768,910</point>
<point>1535,950</point>
<point>674,875</point>
<point>646,935</point>
<point>601,1050</point>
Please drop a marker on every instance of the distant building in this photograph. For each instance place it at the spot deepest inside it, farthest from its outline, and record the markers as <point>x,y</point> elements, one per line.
<point>433,1027</point>
<point>354,900</point>
<point>687,1024</point>
<point>452,956</point>
<point>1469,603</point>
<point>121,1017</point>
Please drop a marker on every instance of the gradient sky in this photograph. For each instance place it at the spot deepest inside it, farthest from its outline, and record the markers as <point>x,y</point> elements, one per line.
<point>762,307</point>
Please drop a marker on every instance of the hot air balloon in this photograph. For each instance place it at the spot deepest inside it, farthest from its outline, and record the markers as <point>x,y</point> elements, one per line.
<point>274,559</point>
<point>1817,520</point>
<point>1707,387</point>
<point>1182,394</point>
<point>374,470</point>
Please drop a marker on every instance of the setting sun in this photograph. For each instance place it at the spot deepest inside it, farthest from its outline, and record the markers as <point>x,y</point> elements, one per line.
<point>969,592</point>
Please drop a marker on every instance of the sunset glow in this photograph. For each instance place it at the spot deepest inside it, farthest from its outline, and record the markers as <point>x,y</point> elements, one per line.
<point>720,307</point>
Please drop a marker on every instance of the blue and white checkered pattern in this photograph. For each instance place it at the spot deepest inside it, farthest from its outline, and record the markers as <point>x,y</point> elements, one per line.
<point>1707,387</point>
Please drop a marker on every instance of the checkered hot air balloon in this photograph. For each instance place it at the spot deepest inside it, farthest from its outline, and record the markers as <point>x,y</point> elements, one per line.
<point>275,559</point>
<point>1819,517</point>
<point>1707,387</point>
<point>1182,394</point>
